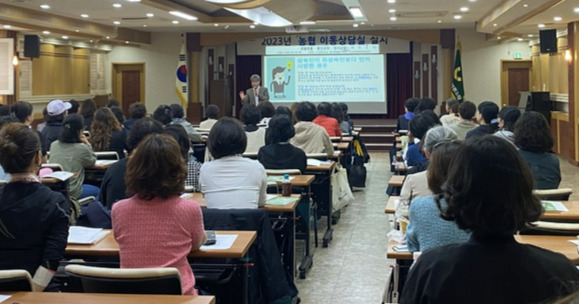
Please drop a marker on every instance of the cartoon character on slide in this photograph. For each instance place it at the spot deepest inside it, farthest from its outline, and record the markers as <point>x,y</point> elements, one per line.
<point>278,84</point>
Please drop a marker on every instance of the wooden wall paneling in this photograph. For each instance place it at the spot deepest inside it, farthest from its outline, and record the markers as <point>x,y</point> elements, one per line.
<point>536,70</point>
<point>63,70</point>
<point>416,75</point>
<point>544,72</point>
<point>446,72</point>
<point>425,84</point>
<point>566,145</point>
<point>555,134</point>
<point>573,84</point>
<point>195,107</point>
<point>434,72</point>
<point>81,71</point>
<point>43,68</point>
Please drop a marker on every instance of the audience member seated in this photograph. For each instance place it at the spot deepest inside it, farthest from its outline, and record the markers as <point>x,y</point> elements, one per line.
<point>283,110</point>
<point>324,120</point>
<point>347,118</point>
<point>466,110</point>
<point>137,111</point>
<point>230,180</point>
<point>409,106</point>
<point>56,110</point>
<point>426,229</point>
<point>163,114</point>
<point>178,115</point>
<point>279,153</point>
<point>487,119</point>
<point>106,133</point>
<point>417,127</point>
<point>212,114</point>
<point>489,192</point>
<point>156,227</point>
<point>74,106</point>
<point>255,135</point>
<point>118,112</point>
<point>87,109</point>
<point>534,139</point>
<point>113,187</point>
<point>113,103</point>
<point>416,185</point>
<point>193,166</point>
<point>338,114</point>
<point>452,116</point>
<point>34,219</point>
<point>22,111</point>
<point>508,116</point>
<point>266,111</point>
<point>425,103</point>
<point>310,137</point>
<point>74,153</point>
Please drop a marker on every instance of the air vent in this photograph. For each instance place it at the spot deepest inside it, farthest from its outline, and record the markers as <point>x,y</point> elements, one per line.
<point>430,14</point>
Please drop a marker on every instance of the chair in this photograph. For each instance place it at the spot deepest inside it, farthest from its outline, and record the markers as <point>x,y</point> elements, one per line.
<point>283,171</point>
<point>127,281</point>
<point>251,155</point>
<point>111,155</point>
<point>551,228</point>
<point>561,194</point>
<point>15,280</point>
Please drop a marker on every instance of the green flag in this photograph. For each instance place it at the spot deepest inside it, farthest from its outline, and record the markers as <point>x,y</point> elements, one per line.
<point>457,87</point>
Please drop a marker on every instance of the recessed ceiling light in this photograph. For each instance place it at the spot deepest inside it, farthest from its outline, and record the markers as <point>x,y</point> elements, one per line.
<point>46,32</point>
<point>519,39</point>
<point>557,18</point>
<point>127,42</point>
<point>183,15</point>
<point>576,10</point>
<point>175,22</point>
<point>540,25</point>
<point>391,1</point>
<point>356,12</point>
<point>64,37</point>
<point>392,10</point>
<point>362,23</point>
<point>464,9</point>
<point>77,31</point>
<point>117,5</point>
<point>7,26</point>
<point>116,22</point>
<point>144,25</point>
<point>495,25</point>
<point>499,37</point>
<point>134,0</point>
<point>255,23</point>
<point>457,17</point>
<point>150,15</point>
<point>439,21</point>
<point>45,6</point>
<point>216,24</point>
<point>355,25</point>
<point>108,37</point>
<point>307,22</point>
<point>525,5</point>
<point>530,35</point>
<point>84,15</point>
<point>393,18</point>
<point>252,26</point>
<point>471,0</point>
<point>91,41</point>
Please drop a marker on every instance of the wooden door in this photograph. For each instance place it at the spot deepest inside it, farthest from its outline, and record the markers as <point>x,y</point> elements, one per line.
<point>518,81</point>
<point>128,84</point>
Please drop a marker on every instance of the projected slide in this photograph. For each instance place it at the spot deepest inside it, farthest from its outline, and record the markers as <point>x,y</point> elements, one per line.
<point>344,77</point>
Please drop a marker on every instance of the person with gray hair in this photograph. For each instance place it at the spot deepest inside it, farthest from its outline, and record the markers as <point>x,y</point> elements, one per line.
<point>416,185</point>
<point>256,94</point>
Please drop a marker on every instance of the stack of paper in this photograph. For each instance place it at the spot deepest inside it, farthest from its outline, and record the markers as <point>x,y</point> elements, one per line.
<point>85,235</point>
<point>223,242</point>
<point>60,175</point>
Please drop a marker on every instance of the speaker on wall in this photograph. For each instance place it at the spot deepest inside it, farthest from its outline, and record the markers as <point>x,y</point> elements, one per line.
<point>548,41</point>
<point>31,46</point>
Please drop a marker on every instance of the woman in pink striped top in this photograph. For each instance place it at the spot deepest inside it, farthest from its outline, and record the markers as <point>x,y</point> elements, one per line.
<point>156,227</point>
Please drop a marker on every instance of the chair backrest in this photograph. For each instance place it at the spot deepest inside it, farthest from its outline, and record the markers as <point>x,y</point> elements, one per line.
<point>561,194</point>
<point>252,155</point>
<point>54,166</point>
<point>107,155</point>
<point>15,280</point>
<point>135,281</point>
<point>283,171</point>
<point>320,156</point>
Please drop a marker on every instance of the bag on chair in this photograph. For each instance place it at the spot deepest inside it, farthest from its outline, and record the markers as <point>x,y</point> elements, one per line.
<point>341,192</point>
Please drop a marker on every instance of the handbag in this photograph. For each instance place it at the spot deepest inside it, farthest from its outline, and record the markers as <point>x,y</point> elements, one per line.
<point>341,192</point>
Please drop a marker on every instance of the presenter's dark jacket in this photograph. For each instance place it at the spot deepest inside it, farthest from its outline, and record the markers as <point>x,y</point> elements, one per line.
<point>262,95</point>
<point>489,270</point>
<point>33,226</point>
<point>282,156</point>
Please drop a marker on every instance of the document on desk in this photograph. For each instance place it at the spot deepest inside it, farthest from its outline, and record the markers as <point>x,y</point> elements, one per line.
<point>317,162</point>
<point>281,200</point>
<point>104,162</point>
<point>576,242</point>
<point>85,235</point>
<point>277,178</point>
<point>554,206</point>
<point>4,298</point>
<point>223,242</point>
<point>60,175</point>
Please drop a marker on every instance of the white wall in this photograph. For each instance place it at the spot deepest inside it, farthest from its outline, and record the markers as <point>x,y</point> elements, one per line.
<point>160,58</point>
<point>481,64</point>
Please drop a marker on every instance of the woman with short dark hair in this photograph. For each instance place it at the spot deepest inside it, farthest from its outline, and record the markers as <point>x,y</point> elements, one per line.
<point>87,109</point>
<point>137,111</point>
<point>508,116</point>
<point>279,153</point>
<point>212,115</point>
<point>163,114</point>
<point>156,227</point>
<point>489,192</point>
<point>230,180</point>
<point>533,137</point>
<point>251,116</point>
<point>33,218</point>
<point>193,166</point>
<point>106,133</point>
<point>22,110</point>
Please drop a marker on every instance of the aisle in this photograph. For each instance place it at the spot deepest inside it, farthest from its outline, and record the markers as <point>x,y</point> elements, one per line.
<point>353,269</point>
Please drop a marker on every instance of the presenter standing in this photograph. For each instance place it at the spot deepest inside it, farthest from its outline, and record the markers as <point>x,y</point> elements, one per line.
<point>256,94</point>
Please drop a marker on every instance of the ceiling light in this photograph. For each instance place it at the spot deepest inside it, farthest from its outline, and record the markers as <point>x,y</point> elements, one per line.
<point>576,10</point>
<point>183,15</point>
<point>362,23</point>
<point>530,35</point>
<point>84,15</point>
<point>45,6</point>
<point>7,26</point>
<point>117,22</point>
<point>108,37</point>
<point>127,42</point>
<point>557,18</point>
<point>464,9</point>
<point>77,31</point>
<point>64,37</point>
<point>175,22</point>
<point>91,41</point>
<point>216,24</point>
<point>457,17</point>
<point>393,18</point>
<point>391,1</point>
<point>150,15</point>
<point>495,25</point>
<point>252,26</point>
<point>540,25</point>
<point>392,10</point>
<point>355,25</point>
<point>307,22</point>
<point>356,12</point>
<point>471,0</point>
<point>499,37</point>
<point>144,25</point>
<point>46,32</point>
<point>519,39</point>
<point>134,0</point>
<point>439,21</point>
<point>117,5</point>
<point>525,5</point>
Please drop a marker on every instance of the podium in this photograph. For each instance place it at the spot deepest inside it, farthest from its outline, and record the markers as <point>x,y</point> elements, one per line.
<point>540,102</point>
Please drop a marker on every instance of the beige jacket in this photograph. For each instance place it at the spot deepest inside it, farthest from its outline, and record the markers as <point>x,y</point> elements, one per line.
<point>312,138</point>
<point>462,127</point>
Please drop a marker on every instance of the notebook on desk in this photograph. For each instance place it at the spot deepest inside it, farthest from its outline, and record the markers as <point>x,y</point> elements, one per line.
<point>85,235</point>
<point>60,175</point>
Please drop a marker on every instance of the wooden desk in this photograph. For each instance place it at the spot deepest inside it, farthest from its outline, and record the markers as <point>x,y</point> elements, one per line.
<point>323,195</point>
<point>396,180</point>
<point>322,167</point>
<point>347,139</point>
<point>558,244</point>
<point>358,129</point>
<point>342,146</point>
<point>102,298</point>
<point>390,205</point>
<point>103,164</point>
<point>108,247</point>
<point>572,215</point>
<point>198,197</point>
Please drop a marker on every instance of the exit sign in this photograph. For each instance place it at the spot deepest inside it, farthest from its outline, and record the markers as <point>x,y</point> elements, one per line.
<point>518,55</point>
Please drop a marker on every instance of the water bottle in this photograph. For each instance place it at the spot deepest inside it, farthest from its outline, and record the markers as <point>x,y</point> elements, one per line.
<point>286,186</point>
